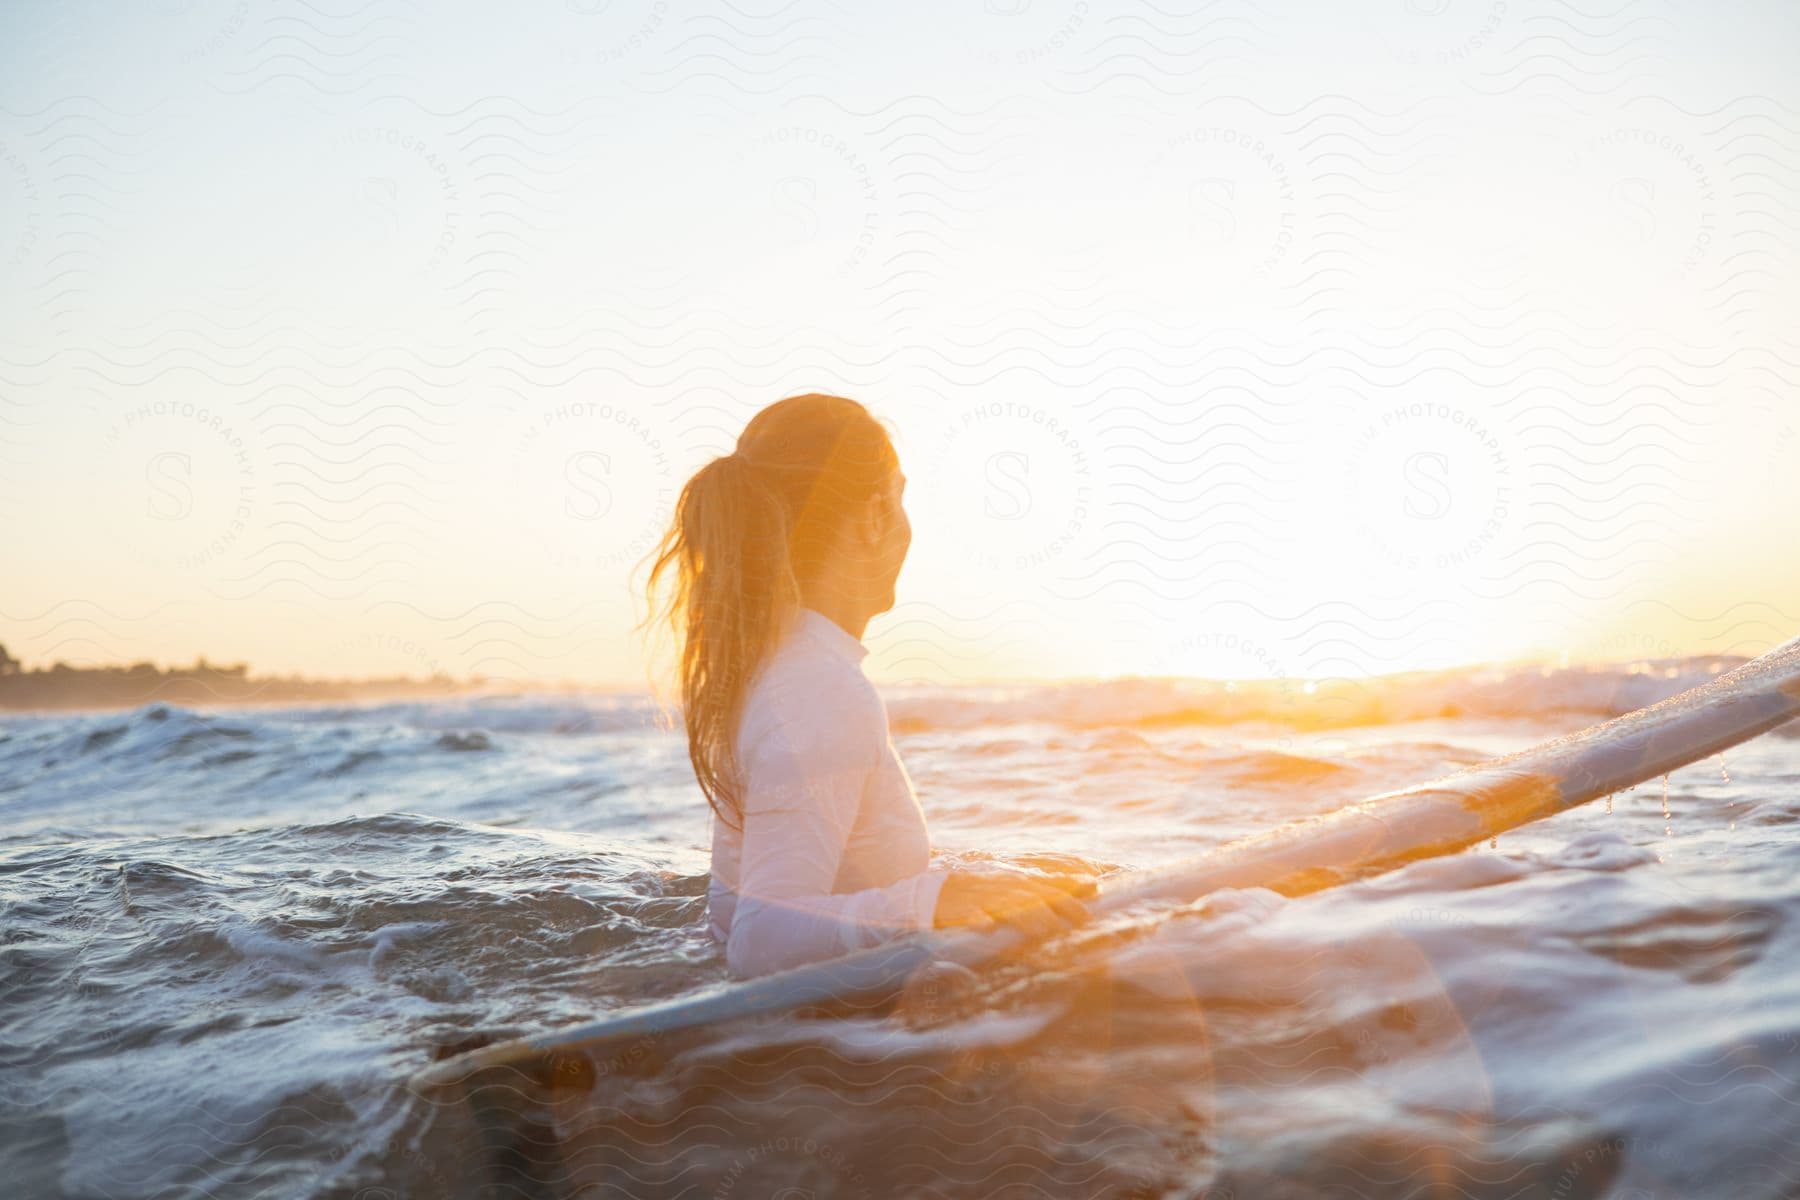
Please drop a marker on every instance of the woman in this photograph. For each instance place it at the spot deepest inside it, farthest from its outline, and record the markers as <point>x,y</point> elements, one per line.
<point>782,551</point>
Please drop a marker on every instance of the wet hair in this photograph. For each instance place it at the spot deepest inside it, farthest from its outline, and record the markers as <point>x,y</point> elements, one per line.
<point>749,531</point>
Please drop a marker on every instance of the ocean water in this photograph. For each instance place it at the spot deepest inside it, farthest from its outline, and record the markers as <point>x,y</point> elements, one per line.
<point>227,937</point>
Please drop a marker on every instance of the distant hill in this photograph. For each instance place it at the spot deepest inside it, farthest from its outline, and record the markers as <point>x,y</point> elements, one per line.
<point>61,686</point>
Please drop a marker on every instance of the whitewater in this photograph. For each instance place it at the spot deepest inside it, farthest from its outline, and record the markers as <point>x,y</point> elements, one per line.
<point>229,935</point>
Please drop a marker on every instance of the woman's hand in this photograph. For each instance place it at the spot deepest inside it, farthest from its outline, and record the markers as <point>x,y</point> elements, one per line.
<point>1040,905</point>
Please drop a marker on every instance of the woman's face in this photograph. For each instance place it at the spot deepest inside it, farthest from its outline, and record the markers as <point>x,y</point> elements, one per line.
<point>899,526</point>
<point>893,533</point>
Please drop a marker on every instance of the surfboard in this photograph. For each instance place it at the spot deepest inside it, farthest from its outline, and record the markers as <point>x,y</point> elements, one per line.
<point>1375,835</point>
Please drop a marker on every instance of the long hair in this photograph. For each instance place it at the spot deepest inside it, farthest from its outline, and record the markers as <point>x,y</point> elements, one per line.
<point>749,530</point>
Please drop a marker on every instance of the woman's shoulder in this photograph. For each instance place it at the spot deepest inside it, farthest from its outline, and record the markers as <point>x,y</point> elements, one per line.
<point>790,681</point>
<point>810,692</point>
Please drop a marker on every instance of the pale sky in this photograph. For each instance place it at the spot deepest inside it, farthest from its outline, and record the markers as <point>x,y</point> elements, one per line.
<point>1232,340</point>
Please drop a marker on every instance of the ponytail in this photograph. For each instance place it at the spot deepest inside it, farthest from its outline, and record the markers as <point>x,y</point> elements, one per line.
<point>748,530</point>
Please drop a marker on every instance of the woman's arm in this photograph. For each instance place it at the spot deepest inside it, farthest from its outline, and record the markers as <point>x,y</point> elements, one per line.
<point>803,785</point>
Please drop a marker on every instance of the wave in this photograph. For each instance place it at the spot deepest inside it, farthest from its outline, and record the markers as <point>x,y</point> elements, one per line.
<point>479,724</point>
<point>279,941</point>
<point>1157,702</point>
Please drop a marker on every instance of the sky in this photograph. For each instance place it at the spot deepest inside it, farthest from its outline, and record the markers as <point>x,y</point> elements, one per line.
<point>1229,340</point>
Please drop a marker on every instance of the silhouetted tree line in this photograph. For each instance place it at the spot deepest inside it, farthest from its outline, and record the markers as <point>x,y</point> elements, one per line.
<point>62,686</point>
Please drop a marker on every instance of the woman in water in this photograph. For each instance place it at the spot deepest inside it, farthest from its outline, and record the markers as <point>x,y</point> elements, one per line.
<point>782,551</point>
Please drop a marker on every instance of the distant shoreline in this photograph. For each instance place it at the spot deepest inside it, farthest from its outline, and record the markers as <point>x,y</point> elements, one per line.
<point>24,694</point>
<point>60,687</point>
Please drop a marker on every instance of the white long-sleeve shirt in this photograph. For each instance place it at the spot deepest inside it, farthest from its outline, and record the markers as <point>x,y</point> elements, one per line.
<point>833,855</point>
